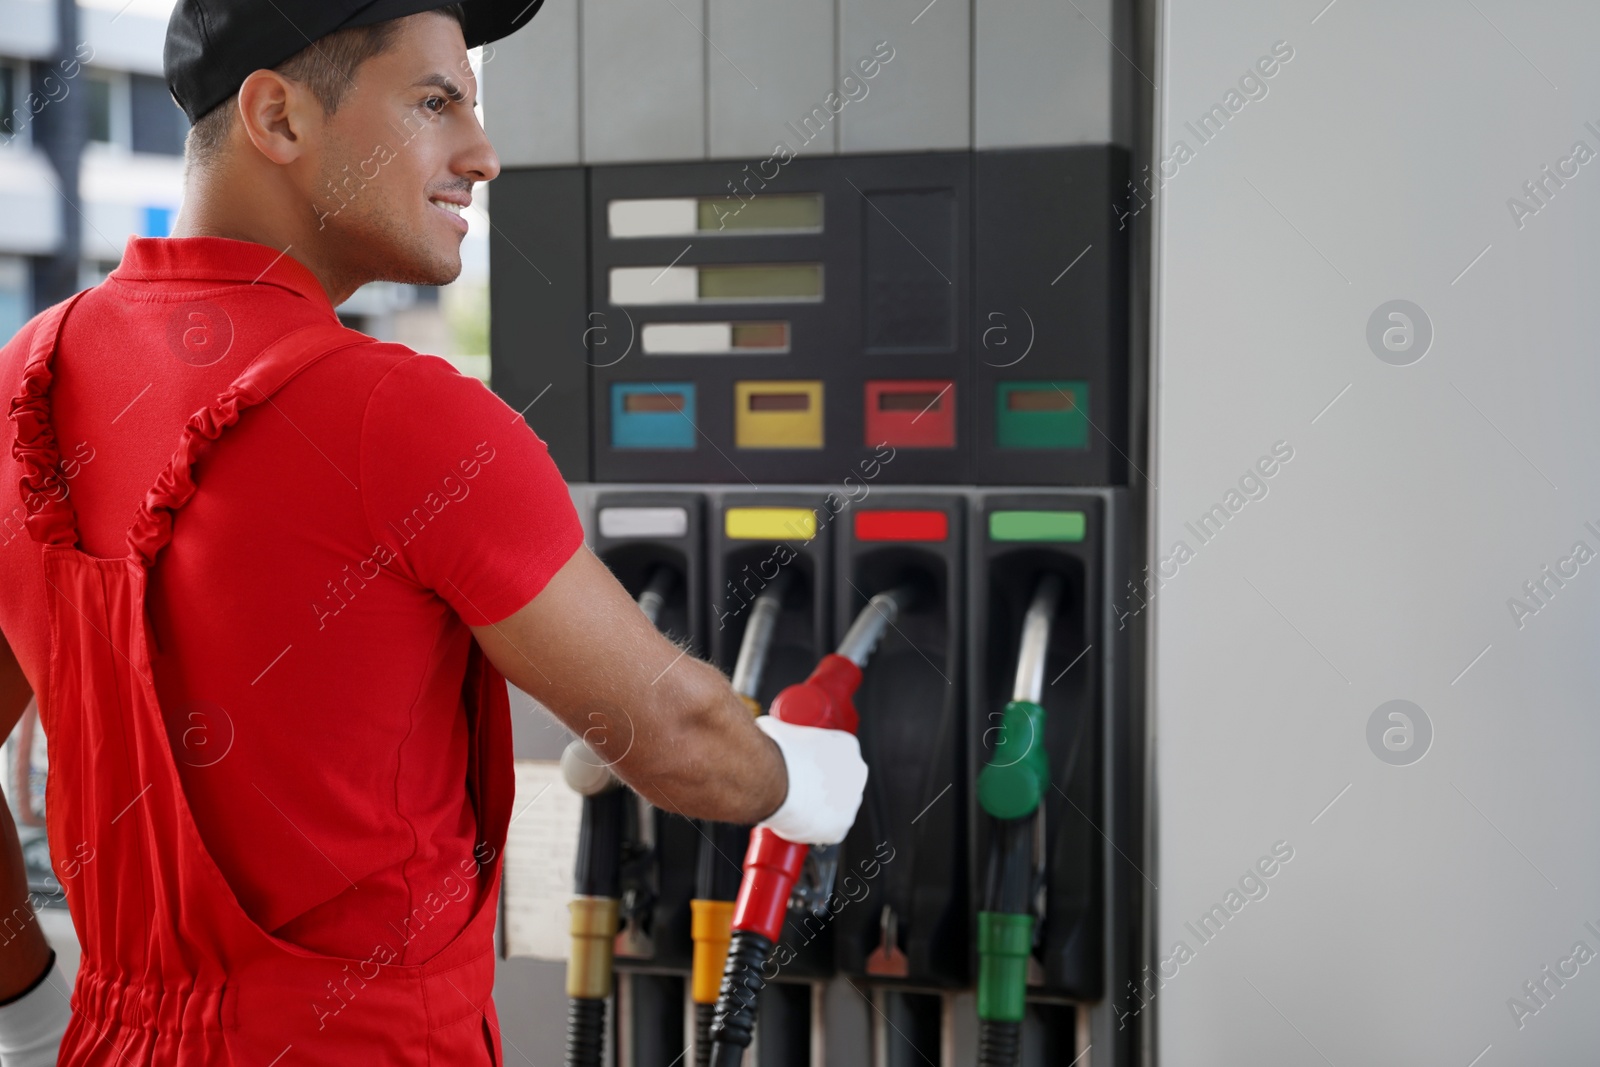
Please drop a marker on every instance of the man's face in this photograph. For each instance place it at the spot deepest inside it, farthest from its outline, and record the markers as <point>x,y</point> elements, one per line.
<point>399,158</point>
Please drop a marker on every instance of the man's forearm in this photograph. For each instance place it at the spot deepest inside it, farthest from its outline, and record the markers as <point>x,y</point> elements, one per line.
<point>24,952</point>
<point>712,762</point>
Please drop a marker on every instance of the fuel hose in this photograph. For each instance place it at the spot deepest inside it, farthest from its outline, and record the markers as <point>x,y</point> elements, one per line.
<point>1010,789</point>
<point>771,864</point>
<point>598,876</point>
<point>716,879</point>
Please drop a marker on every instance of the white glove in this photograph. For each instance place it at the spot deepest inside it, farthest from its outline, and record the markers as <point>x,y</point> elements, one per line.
<point>31,1026</point>
<point>826,779</point>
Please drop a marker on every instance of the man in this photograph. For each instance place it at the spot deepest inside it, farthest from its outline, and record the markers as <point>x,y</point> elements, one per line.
<point>279,737</point>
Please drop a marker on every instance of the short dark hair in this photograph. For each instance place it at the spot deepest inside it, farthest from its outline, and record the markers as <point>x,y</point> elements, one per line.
<point>327,67</point>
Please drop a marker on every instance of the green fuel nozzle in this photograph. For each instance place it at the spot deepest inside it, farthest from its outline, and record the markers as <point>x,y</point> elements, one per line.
<point>1013,782</point>
<point>1011,789</point>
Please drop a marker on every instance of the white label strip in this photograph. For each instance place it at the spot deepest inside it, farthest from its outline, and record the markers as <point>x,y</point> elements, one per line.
<point>644,522</point>
<point>653,218</point>
<point>655,285</point>
<point>687,338</point>
<point>541,852</point>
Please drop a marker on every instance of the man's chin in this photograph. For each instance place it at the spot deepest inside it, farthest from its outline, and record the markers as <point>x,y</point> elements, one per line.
<point>440,268</point>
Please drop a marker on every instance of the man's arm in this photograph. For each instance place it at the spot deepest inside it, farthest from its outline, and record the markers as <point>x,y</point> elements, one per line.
<point>670,725</point>
<point>22,958</point>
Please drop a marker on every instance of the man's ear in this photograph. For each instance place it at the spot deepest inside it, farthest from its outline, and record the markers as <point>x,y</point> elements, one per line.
<point>277,115</point>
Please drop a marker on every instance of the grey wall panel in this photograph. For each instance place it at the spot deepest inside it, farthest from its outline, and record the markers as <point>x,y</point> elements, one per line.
<point>922,97</point>
<point>1423,501</point>
<point>644,80</point>
<point>530,90</point>
<point>1044,72</point>
<point>769,64</point>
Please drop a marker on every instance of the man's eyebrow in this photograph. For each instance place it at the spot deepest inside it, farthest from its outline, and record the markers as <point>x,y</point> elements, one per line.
<point>442,81</point>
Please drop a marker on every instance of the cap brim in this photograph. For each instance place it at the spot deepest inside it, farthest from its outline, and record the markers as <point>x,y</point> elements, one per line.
<point>490,20</point>
<point>487,20</point>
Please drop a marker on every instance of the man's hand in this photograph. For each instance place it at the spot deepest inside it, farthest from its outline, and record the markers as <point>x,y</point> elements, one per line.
<point>826,779</point>
<point>668,724</point>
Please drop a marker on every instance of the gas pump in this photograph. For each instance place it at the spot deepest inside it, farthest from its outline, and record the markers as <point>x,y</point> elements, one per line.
<point>597,893</point>
<point>1010,789</point>
<point>716,883</point>
<point>772,865</point>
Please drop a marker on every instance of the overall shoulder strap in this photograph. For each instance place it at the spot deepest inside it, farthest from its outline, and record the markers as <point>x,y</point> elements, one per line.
<point>50,518</point>
<point>277,365</point>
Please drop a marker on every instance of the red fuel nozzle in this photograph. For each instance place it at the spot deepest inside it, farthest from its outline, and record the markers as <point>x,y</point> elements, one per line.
<point>772,865</point>
<point>824,699</point>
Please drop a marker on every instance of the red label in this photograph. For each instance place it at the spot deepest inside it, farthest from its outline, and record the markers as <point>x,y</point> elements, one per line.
<point>902,526</point>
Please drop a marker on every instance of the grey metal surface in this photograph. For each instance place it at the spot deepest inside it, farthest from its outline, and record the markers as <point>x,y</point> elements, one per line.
<point>1044,72</point>
<point>1386,561</point>
<point>644,80</point>
<point>870,623</point>
<point>1036,639</point>
<point>922,98</point>
<point>636,81</point>
<point>530,90</point>
<point>747,669</point>
<point>769,64</point>
<point>654,595</point>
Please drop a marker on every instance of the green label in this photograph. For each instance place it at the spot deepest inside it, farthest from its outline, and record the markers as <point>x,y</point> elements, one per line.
<point>1036,525</point>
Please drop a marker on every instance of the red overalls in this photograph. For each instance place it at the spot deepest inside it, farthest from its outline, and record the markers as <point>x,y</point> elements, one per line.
<point>173,970</point>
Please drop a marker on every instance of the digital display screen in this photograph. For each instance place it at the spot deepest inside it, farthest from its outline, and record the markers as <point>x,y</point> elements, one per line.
<point>780,402</point>
<point>645,402</point>
<point>1040,400</point>
<point>909,401</point>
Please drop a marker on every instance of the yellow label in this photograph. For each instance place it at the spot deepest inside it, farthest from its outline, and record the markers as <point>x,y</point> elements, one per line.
<point>777,414</point>
<point>770,524</point>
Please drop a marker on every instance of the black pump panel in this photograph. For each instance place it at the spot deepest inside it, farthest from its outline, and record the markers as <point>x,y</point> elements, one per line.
<point>753,538</point>
<point>1016,539</point>
<point>902,895</point>
<point>636,534</point>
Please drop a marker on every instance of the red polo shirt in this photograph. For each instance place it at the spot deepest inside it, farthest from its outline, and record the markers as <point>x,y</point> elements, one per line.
<point>312,608</point>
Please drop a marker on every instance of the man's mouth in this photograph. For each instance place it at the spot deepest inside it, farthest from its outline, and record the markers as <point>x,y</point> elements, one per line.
<point>448,205</point>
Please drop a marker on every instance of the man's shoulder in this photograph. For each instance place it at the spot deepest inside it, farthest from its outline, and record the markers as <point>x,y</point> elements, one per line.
<point>393,368</point>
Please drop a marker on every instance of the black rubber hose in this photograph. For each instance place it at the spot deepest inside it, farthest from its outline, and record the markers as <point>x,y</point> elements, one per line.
<point>1009,875</point>
<point>598,868</point>
<point>703,1014</point>
<point>586,1032</point>
<point>742,982</point>
<point>717,871</point>
<point>999,1043</point>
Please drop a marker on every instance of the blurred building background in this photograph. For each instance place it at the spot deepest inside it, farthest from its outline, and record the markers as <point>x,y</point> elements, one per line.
<point>111,117</point>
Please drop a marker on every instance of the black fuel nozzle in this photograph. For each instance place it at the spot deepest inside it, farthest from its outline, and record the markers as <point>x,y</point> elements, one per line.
<point>602,849</point>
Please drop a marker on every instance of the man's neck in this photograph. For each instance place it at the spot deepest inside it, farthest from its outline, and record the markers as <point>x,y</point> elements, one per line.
<point>211,209</point>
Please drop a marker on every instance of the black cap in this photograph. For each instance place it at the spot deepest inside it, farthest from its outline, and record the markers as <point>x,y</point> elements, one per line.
<point>213,45</point>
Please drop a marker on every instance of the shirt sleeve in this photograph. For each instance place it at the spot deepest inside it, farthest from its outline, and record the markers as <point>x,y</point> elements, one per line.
<point>461,492</point>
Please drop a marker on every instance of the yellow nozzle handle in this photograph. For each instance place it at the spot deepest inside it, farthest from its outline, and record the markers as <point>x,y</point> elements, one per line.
<point>711,926</point>
<point>594,927</point>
